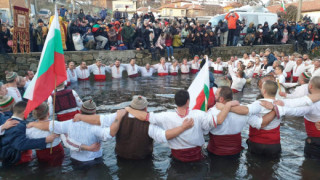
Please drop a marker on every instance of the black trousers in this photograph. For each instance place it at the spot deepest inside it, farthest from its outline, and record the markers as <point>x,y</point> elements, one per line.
<point>270,150</point>
<point>312,147</point>
<point>230,37</point>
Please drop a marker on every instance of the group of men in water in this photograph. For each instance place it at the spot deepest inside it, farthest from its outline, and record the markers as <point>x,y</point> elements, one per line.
<point>81,129</point>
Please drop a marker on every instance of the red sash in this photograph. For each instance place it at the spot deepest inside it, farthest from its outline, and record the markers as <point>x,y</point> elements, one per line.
<point>187,155</point>
<point>133,75</point>
<point>262,136</point>
<point>311,129</point>
<point>295,79</point>
<point>217,72</point>
<point>68,83</point>
<point>194,71</point>
<point>174,74</point>
<point>162,74</point>
<point>289,74</point>
<point>235,91</point>
<point>79,79</point>
<point>185,72</point>
<point>254,75</point>
<point>56,158</point>
<point>26,156</point>
<point>223,145</point>
<point>67,116</point>
<point>99,77</point>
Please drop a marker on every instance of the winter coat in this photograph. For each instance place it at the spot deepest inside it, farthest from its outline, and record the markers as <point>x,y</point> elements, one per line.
<point>127,33</point>
<point>232,21</point>
<point>177,41</point>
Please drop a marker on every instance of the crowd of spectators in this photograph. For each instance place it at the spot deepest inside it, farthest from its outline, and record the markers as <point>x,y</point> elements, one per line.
<point>158,35</point>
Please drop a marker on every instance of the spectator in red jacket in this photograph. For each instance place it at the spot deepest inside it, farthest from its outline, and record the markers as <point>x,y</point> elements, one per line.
<point>168,43</point>
<point>232,18</point>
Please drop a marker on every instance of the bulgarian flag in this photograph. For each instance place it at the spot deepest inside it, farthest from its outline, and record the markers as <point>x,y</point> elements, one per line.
<point>51,69</point>
<point>201,95</point>
<point>283,7</point>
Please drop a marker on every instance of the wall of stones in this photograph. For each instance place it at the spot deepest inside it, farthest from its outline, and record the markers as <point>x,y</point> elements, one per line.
<point>22,62</point>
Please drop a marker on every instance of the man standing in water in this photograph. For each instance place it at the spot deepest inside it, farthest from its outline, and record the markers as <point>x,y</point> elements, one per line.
<point>187,147</point>
<point>98,70</point>
<point>83,72</point>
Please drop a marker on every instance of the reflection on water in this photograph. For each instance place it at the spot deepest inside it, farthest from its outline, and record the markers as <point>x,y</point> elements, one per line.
<point>115,94</point>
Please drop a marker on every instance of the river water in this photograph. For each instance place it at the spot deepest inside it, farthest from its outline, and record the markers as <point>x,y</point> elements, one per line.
<point>116,94</point>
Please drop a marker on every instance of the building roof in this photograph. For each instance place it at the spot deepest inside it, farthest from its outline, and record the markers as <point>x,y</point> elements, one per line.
<point>192,7</point>
<point>234,4</point>
<point>176,6</point>
<point>307,6</point>
<point>145,9</point>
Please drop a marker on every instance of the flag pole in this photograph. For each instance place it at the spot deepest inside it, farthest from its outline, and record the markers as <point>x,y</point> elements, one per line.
<point>279,85</point>
<point>54,105</point>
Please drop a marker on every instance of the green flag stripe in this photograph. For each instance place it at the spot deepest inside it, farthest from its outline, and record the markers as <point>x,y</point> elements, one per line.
<point>53,45</point>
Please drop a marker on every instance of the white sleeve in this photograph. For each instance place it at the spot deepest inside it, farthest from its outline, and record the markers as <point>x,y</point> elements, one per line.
<point>255,121</point>
<point>297,93</point>
<point>297,111</point>
<point>90,68</point>
<point>156,118</point>
<point>231,72</point>
<point>302,101</point>
<point>254,108</point>
<point>78,100</point>
<point>102,133</point>
<point>70,143</point>
<point>208,120</point>
<point>157,134</point>
<point>50,104</point>
<point>59,127</point>
<point>107,119</point>
<point>68,76</point>
<point>1,132</point>
<point>108,69</point>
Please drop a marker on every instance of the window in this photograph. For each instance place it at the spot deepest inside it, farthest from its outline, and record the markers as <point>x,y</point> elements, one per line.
<point>196,13</point>
<point>182,12</point>
<point>171,12</point>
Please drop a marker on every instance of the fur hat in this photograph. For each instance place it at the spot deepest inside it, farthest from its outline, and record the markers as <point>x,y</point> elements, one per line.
<point>6,101</point>
<point>11,76</point>
<point>88,107</point>
<point>139,102</point>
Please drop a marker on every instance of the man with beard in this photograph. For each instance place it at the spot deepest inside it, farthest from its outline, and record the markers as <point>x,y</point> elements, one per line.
<point>116,70</point>
<point>82,71</point>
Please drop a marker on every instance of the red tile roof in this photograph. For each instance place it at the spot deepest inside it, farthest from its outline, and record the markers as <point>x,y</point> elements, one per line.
<point>307,6</point>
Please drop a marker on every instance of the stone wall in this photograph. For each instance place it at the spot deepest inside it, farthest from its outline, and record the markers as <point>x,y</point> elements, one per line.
<point>22,62</point>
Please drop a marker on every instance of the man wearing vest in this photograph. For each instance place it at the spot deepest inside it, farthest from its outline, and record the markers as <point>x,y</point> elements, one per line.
<point>134,139</point>
<point>187,147</point>
<point>16,147</point>
<point>67,103</point>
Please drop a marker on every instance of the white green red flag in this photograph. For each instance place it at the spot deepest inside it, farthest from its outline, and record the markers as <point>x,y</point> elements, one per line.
<point>200,91</point>
<point>51,68</point>
<point>283,7</point>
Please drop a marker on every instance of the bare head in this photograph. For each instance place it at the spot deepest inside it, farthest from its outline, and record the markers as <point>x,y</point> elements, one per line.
<point>224,94</point>
<point>147,66</point>
<point>3,89</point>
<point>41,112</point>
<point>117,63</point>
<point>71,65</point>
<point>162,60</point>
<point>269,89</point>
<point>133,61</point>
<point>29,75</point>
<point>314,85</point>
<point>218,60</point>
<point>21,82</point>
<point>83,65</point>
<point>98,62</point>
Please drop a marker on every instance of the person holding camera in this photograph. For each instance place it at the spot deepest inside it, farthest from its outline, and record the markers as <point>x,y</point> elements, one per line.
<point>232,18</point>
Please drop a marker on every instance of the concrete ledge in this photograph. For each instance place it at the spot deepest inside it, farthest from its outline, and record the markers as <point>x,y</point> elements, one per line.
<point>22,62</point>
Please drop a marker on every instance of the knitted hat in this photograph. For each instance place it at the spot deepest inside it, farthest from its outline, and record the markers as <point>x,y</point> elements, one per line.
<point>139,102</point>
<point>6,101</point>
<point>88,107</point>
<point>306,75</point>
<point>10,76</point>
<point>40,21</point>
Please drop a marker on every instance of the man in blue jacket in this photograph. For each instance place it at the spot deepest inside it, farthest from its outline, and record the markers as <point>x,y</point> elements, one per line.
<point>270,56</point>
<point>15,146</point>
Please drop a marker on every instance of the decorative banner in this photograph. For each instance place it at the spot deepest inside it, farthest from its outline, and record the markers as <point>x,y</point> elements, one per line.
<point>21,36</point>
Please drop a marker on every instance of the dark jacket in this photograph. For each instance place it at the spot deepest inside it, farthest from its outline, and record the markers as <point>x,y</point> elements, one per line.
<point>4,117</point>
<point>223,27</point>
<point>15,141</point>
<point>271,59</point>
<point>127,33</point>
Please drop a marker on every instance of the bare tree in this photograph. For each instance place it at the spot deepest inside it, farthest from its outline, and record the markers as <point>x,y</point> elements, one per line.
<point>291,14</point>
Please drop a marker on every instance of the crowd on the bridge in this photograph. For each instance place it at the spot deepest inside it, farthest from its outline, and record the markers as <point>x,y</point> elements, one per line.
<point>183,130</point>
<point>82,31</point>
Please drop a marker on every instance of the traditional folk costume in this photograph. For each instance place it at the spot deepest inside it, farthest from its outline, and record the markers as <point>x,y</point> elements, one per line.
<point>15,93</point>
<point>297,70</point>
<point>163,69</point>
<point>82,74</point>
<point>249,72</point>
<point>146,72</point>
<point>281,78</point>
<point>132,70</point>
<point>16,147</point>
<point>314,71</point>
<point>98,72</point>
<point>299,91</point>
<point>218,68</point>
<point>174,70</point>
<point>288,67</point>
<point>225,140</point>
<point>264,141</point>
<point>187,146</point>
<point>195,65</point>
<point>237,82</point>
<point>256,70</point>
<point>56,158</point>
<point>185,68</point>
<point>71,76</point>
<point>116,72</point>
<point>67,104</point>
<point>303,107</point>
